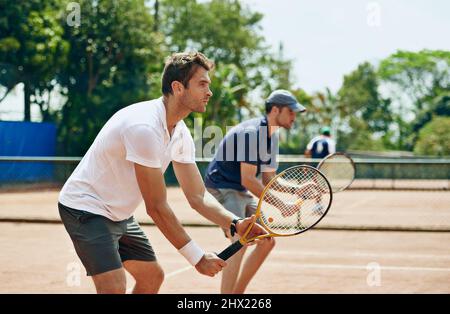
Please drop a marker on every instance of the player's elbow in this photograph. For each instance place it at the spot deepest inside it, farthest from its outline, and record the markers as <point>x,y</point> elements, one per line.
<point>196,202</point>
<point>155,207</point>
<point>272,243</point>
<point>248,182</point>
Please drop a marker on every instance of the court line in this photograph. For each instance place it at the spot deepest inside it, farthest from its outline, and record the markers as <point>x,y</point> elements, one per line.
<point>324,227</point>
<point>397,214</point>
<point>363,254</point>
<point>354,267</point>
<point>338,266</point>
<point>359,267</point>
<point>179,271</point>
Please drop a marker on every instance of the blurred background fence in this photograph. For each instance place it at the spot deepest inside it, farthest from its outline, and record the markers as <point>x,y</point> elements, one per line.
<point>373,173</point>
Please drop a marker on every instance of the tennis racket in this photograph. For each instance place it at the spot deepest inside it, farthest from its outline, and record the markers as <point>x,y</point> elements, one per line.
<point>339,169</point>
<point>287,205</point>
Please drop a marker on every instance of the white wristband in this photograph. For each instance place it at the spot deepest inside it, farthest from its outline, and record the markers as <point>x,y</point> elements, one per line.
<point>192,252</point>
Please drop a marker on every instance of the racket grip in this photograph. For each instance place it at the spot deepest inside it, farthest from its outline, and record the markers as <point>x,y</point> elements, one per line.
<point>231,250</point>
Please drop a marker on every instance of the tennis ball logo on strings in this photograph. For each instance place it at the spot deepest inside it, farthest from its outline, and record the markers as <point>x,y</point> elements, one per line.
<point>299,202</point>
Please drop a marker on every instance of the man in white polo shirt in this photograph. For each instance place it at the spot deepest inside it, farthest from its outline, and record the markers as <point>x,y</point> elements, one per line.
<point>125,165</point>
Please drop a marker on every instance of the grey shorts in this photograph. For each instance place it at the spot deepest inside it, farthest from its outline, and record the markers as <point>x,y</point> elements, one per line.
<point>102,244</point>
<point>240,203</point>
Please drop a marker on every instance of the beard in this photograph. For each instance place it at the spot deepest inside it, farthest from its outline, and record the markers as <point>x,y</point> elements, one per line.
<point>192,104</point>
<point>287,125</point>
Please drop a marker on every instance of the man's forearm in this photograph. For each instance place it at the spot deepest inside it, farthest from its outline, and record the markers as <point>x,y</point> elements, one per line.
<point>257,188</point>
<point>254,186</point>
<point>169,225</point>
<point>207,206</point>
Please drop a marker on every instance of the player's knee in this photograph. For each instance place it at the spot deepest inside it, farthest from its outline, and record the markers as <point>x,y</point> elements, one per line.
<point>159,276</point>
<point>267,244</point>
<point>112,288</point>
<point>271,243</point>
<point>152,276</point>
<point>112,282</point>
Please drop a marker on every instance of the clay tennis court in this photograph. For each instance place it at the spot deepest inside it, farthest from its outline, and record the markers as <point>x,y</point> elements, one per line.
<point>336,257</point>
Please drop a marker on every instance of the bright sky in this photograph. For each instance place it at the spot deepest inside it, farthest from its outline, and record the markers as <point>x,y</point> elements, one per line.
<point>328,39</point>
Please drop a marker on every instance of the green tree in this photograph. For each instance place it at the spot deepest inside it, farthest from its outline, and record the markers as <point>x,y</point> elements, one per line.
<point>116,60</point>
<point>223,30</point>
<point>420,76</point>
<point>364,115</point>
<point>227,32</point>
<point>320,111</point>
<point>416,82</point>
<point>228,96</point>
<point>439,106</point>
<point>32,50</point>
<point>434,138</point>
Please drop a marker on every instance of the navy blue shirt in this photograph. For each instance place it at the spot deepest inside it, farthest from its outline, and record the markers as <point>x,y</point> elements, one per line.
<point>247,142</point>
<point>321,146</point>
<point>323,151</point>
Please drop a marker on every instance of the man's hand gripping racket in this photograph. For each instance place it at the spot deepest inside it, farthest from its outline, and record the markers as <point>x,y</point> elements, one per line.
<point>294,191</point>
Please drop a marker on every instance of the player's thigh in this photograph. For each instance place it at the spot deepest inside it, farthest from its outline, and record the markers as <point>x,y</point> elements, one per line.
<point>95,238</point>
<point>137,254</point>
<point>139,258</point>
<point>113,281</point>
<point>145,271</point>
<point>134,244</point>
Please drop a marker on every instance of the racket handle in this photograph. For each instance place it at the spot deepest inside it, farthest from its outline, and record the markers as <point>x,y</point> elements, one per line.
<point>231,250</point>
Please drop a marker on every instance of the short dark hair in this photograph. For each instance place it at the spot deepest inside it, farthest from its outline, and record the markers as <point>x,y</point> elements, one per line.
<point>181,67</point>
<point>269,107</point>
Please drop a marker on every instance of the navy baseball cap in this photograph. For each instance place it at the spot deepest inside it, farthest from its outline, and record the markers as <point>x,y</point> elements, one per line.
<point>284,97</point>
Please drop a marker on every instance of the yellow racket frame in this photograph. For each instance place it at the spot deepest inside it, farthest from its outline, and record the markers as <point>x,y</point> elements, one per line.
<point>243,240</point>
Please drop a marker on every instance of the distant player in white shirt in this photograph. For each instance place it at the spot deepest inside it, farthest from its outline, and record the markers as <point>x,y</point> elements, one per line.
<point>125,165</point>
<point>318,148</point>
<point>322,145</point>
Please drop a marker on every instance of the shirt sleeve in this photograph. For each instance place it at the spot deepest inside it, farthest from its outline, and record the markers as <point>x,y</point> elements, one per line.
<point>143,145</point>
<point>331,146</point>
<point>311,143</point>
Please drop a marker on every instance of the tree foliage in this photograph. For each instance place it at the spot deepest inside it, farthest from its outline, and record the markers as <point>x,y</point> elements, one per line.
<point>115,61</point>
<point>434,138</point>
<point>115,57</point>
<point>32,49</point>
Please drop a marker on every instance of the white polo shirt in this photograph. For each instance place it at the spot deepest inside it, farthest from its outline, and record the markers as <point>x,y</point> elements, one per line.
<point>104,182</point>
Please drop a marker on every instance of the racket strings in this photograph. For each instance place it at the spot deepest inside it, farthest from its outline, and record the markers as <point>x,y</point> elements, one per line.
<point>339,170</point>
<point>295,201</point>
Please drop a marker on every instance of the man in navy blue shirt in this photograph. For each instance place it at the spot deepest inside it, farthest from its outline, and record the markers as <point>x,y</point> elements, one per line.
<point>322,145</point>
<point>248,152</point>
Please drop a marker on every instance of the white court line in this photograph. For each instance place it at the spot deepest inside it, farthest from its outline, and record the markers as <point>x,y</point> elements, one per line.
<point>340,266</point>
<point>392,214</point>
<point>364,254</point>
<point>358,267</point>
<point>179,271</point>
<point>337,266</point>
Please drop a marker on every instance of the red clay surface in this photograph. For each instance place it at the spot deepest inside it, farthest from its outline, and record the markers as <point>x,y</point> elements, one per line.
<point>412,209</point>
<point>39,258</point>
